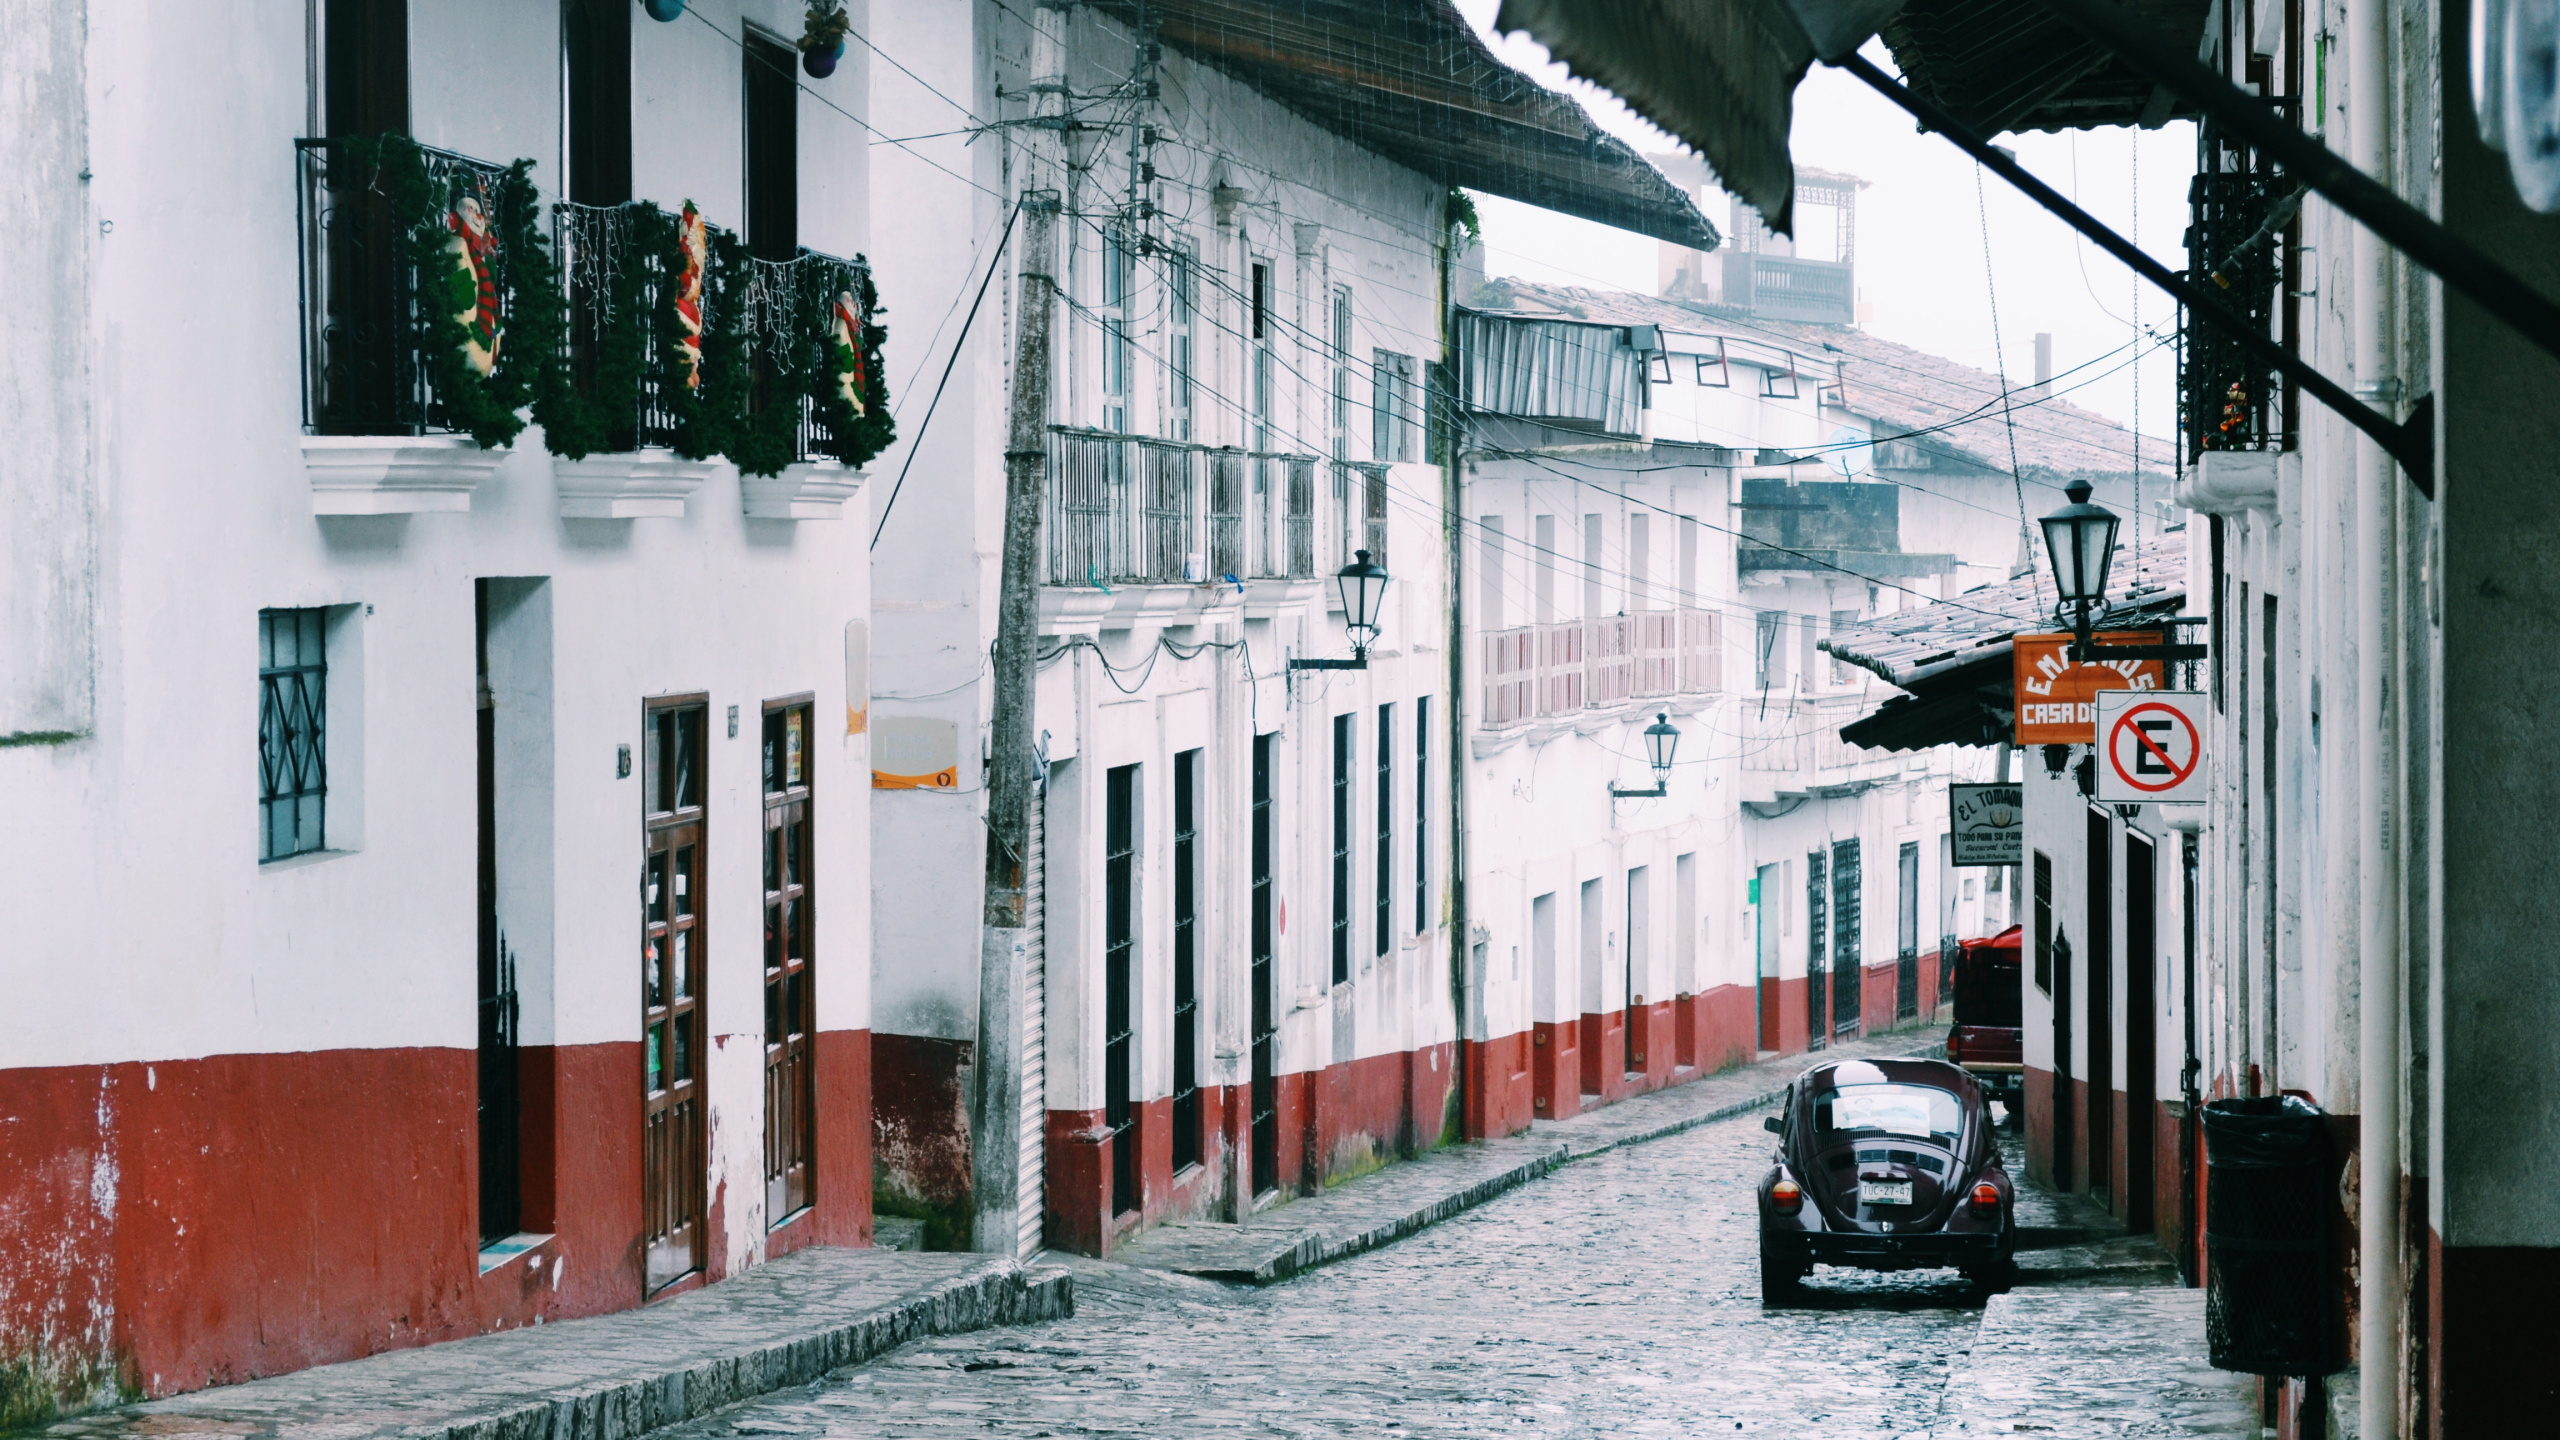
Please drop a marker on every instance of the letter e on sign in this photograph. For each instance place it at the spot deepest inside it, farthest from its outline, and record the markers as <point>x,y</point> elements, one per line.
<point>2151,747</point>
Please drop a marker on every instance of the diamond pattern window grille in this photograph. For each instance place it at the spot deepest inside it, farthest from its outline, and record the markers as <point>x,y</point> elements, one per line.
<point>293,766</point>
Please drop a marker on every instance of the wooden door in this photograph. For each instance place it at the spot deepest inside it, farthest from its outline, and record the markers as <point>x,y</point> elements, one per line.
<point>671,967</point>
<point>2100,994</point>
<point>789,1078</point>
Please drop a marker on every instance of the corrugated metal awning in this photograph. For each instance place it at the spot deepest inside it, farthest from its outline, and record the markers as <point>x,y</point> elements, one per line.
<point>1554,370</point>
<point>1411,80</point>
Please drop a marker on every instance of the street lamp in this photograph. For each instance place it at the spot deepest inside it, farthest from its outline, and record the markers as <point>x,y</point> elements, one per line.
<point>2080,538</point>
<point>1660,740</point>
<point>1364,587</point>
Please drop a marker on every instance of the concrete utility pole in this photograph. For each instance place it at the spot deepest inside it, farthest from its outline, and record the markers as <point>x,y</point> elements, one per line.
<point>995,1108</point>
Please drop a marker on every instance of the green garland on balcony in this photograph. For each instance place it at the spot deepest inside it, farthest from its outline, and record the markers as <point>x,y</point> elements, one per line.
<point>472,280</point>
<point>577,423</point>
<point>862,434</point>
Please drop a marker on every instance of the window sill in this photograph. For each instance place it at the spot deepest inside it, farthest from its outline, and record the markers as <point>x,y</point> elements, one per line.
<point>304,860</point>
<point>794,1218</point>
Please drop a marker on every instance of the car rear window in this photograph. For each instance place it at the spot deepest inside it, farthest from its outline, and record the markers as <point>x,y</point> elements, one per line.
<point>1988,994</point>
<point>1919,1111</point>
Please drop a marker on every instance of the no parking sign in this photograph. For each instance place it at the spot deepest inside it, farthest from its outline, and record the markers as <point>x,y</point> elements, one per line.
<point>2151,747</point>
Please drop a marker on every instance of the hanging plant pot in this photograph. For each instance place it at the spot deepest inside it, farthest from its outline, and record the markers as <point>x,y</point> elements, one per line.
<point>663,10</point>
<point>821,63</point>
<point>822,37</point>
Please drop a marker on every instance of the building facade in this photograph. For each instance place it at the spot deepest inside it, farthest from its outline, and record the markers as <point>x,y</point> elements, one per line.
<point>402,811</point>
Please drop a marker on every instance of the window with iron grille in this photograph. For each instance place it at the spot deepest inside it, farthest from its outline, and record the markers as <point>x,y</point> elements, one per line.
<point>1340,345</point>
<point>1386,821</point>
<point>1817,907</point>
<point>1373,514</point>
<point>1422,814</point>
<point>1119,946</point>
<point>1181,277</point>
<point>1391,407</point>
<point>1186,960</point>
<point>1342,735</point>
<point>1114,311</point>
<point>2043,919</point>
<point>1258,335</point>
<point>293,710</point>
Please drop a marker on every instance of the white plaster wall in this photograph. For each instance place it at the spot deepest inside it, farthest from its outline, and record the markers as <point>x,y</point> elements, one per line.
<point>373,944</point>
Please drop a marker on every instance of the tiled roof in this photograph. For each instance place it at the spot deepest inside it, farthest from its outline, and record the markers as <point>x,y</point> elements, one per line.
<point>1902,389</point>
<point>1954,656</point>
<point>1908,647</point>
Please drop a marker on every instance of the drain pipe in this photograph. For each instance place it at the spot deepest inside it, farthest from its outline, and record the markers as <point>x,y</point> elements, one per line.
<point>2378,1099</point>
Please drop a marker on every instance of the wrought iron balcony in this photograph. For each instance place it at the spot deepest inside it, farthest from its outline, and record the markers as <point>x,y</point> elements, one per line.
<point>781,296</point>
<point>1131,510</point>
<point>365,370</point>
<point>2238,244</point>
<point>1558,671</point>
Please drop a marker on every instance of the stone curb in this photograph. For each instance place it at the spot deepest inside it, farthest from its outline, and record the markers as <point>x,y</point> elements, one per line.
<point>1319,1249</point>
<point>1000,1293</point>
<point>975,1301</point>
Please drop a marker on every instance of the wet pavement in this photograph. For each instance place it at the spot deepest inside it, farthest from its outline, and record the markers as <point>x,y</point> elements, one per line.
<point>1617,1296</point>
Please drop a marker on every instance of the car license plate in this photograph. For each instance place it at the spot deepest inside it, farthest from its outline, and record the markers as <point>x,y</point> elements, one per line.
<point>1884,1192</point>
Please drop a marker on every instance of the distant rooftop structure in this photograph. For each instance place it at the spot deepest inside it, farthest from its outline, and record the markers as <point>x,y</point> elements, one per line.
<point>1951,411</point>
<point>1809,277</point>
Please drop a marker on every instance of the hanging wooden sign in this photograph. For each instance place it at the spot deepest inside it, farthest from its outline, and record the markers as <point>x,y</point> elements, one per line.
<point>2057,697</point>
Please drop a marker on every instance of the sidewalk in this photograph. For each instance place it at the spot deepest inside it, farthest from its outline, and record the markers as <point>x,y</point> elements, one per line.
<point>1389,1204</point>
<point>616,1376</point>
<point>2094,1361</point>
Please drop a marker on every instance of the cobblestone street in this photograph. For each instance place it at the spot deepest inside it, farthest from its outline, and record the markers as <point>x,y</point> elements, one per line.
<point>1617,1297</point>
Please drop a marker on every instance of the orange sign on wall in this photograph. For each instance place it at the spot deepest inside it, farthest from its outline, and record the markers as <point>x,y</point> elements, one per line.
<point>2058,699</point>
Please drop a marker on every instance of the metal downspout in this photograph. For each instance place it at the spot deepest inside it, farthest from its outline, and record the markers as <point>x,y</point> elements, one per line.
<point>2377,891</point>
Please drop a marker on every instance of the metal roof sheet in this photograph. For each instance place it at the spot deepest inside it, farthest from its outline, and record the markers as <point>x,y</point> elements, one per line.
<point>1951,407</point>
<point>1411,80</point>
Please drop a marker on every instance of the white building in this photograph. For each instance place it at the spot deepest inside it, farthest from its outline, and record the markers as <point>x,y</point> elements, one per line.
<point>397,819</point>
<point>1729,490</point>
<point>1242,978</point>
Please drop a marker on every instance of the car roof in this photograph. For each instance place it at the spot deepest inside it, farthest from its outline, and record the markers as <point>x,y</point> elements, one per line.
<point>1937,1074</point>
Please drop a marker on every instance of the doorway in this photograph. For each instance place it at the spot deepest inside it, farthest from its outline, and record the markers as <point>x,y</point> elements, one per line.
<point>1770,896</point>
<point>1639,926</point>
<point>2101,1006</point>
<point>671,967</point>
<point>2141,1027</point>
<point>1119,960</point>
<point>790,1111</point>
<point>1848,940</point>
<point>1266,1004</point>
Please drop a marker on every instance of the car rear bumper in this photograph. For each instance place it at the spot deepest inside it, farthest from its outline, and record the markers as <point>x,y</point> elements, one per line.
<point>1893,1252</point>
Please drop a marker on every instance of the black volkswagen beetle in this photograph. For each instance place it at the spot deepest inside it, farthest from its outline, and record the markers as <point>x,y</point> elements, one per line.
<point>1884,1165</point>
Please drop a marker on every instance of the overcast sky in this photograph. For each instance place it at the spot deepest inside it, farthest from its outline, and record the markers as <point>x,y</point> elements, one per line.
<point>1920,235</point>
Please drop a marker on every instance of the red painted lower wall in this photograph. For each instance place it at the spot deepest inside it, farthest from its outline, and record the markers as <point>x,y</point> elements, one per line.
<point>920,1129</point>
<point>1501,1096</point>
<point>1333,1122</point>
<point>195,1222</point>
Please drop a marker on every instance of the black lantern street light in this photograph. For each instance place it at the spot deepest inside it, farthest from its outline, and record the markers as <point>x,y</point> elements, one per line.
<point>1364,591</point>
<point>2080,538</point>
<point>1660,740</point>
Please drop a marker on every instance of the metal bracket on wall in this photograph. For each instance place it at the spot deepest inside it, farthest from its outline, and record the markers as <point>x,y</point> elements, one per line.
<point>2412,442</point>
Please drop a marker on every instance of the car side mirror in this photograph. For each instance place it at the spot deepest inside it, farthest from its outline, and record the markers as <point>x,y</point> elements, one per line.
<point>1773,1124</point>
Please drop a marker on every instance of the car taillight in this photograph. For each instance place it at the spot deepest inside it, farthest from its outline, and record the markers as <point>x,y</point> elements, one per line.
<point>1955,1046</point>
<point>1787,1196</point>
<point>1986,1196</point>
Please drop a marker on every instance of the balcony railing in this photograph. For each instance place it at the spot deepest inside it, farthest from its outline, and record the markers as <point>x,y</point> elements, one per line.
<point>1560,670</point>
<point>1130,510</point>
<point>615,285</point>
<point>782,295</point>
<point>364,366</point>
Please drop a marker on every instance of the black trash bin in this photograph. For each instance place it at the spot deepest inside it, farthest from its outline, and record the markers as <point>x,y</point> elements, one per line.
<point>2268,1303</point>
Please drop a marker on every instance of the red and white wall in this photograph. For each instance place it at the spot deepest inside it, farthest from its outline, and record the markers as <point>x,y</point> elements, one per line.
<point>237,1101</point>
